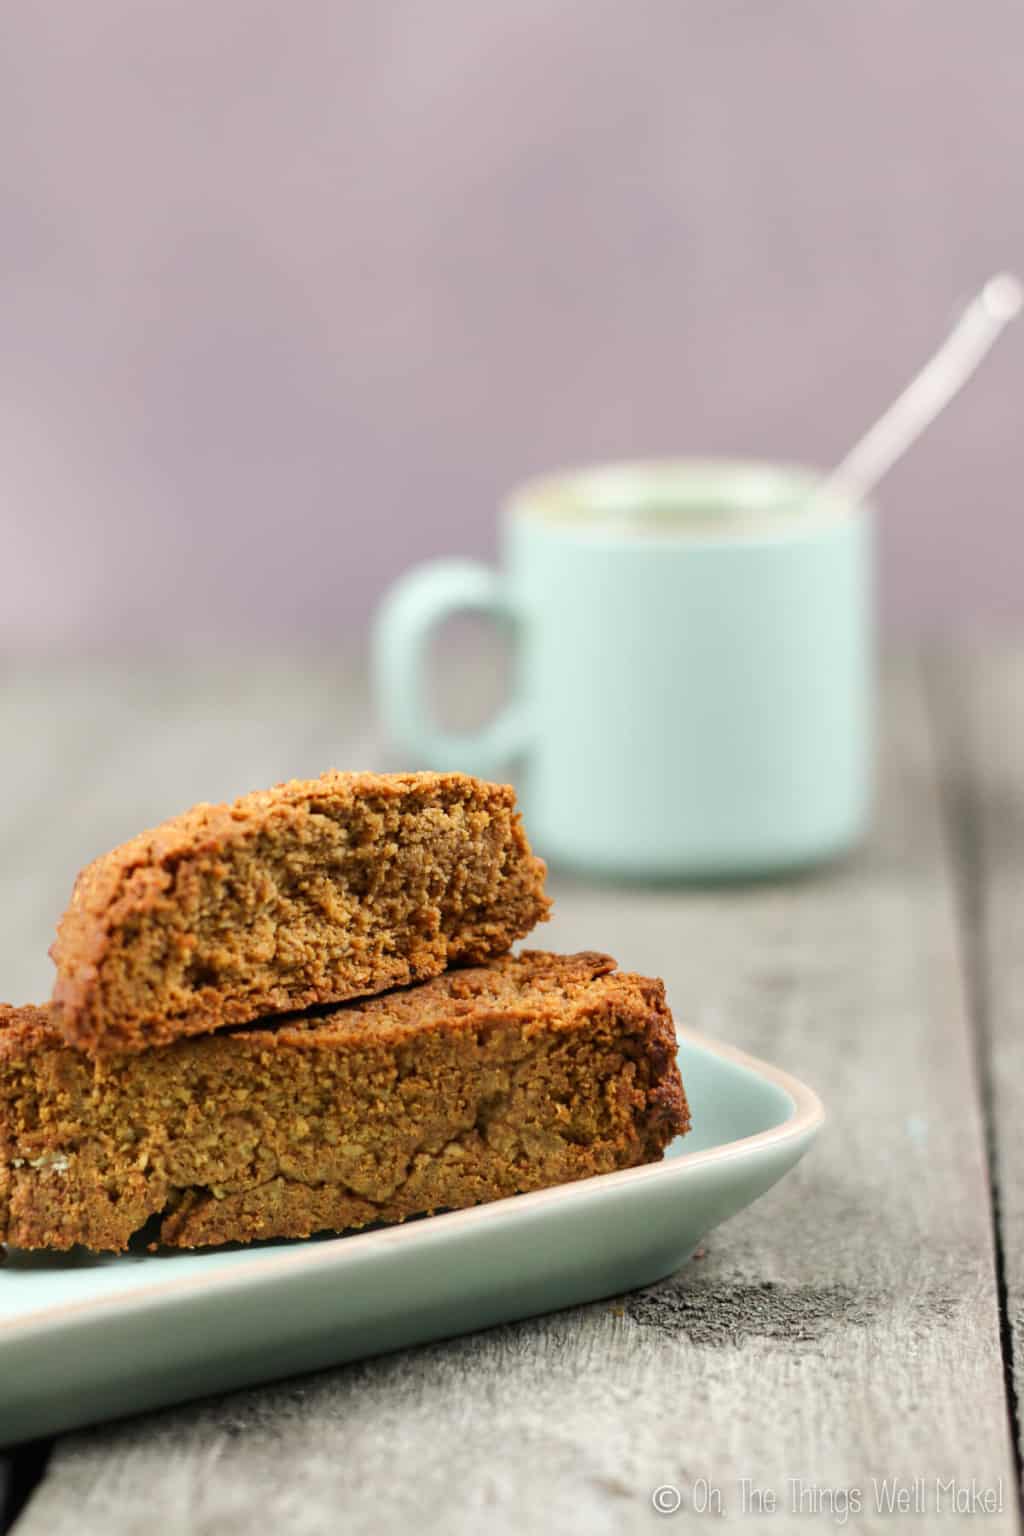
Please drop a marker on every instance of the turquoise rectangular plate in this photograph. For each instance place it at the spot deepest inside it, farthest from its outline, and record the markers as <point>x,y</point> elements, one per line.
<point>84,1338</point>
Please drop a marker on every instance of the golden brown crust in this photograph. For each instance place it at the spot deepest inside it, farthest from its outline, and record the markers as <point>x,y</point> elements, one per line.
<point>484,1082</point>
<point>26,1028</point>
<point>312,892</point>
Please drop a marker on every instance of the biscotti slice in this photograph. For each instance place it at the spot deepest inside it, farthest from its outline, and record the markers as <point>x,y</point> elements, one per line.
<point>313,892</point>
<point>484,1082</point>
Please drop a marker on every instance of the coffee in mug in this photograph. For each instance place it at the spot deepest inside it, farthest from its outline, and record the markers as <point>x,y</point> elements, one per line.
<point>694,688</point>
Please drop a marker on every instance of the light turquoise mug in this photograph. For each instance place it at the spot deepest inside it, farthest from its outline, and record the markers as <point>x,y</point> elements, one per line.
<point>694,667</point>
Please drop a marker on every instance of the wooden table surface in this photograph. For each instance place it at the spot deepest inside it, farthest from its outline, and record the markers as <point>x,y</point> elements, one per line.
<point>864,1321</point>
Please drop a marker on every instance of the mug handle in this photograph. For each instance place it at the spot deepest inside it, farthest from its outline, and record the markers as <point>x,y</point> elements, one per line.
<point>410,611</point>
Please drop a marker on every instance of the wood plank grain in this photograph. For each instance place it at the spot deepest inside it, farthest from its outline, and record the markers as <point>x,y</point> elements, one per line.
<point>978,699</point>
<point>842,1330</point>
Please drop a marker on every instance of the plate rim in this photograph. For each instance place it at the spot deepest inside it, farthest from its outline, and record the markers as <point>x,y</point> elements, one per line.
<point>807,1117</point>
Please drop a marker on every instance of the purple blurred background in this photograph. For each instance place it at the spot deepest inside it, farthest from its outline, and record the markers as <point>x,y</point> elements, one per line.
<point>292,293</point>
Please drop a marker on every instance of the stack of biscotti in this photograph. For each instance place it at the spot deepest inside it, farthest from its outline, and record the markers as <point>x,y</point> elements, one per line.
<point>299,1013</point>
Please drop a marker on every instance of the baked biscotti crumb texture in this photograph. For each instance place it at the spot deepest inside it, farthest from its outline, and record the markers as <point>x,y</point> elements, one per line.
<point>313,892</point>
<point>485,1082</point>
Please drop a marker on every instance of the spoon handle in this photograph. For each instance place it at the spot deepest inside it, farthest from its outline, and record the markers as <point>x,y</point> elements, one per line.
<point>929,392</point>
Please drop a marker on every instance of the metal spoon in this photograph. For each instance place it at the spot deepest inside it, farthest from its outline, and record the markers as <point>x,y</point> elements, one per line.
<point>928,393</point>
